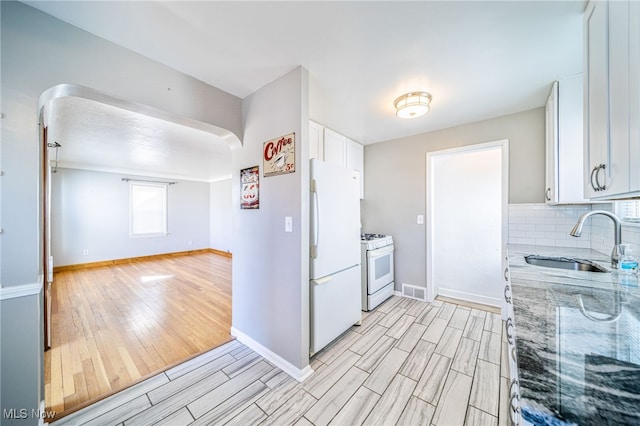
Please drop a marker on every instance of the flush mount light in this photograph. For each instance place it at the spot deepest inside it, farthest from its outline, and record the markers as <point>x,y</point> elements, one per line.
<point>413,104</point>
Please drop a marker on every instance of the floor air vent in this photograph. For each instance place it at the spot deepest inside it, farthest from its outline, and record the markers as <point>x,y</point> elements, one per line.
<point>414,292</point>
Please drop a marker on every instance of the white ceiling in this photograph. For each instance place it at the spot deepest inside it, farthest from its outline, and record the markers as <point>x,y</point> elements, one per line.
<point>479,59</point>
<point>97,136</point>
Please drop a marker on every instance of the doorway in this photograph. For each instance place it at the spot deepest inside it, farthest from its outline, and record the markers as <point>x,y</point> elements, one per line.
<point>467,201</point>
<point>107,299</point>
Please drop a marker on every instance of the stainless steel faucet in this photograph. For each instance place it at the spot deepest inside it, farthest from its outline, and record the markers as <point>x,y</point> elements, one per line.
<point>617,227</point>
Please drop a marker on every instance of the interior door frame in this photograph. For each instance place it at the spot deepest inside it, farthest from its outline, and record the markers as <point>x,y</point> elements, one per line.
<point>503,144</point>
<point>47,261</point>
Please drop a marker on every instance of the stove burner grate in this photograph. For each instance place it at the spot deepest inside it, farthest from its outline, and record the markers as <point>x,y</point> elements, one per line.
<point>369,237</point>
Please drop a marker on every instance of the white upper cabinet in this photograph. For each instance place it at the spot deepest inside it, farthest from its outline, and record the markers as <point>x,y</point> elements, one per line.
<point>612,154</point>
<point>355,161</point>
<point>335,148</point>
<point>316,141</point>
<point>596,97</point>
<point>634,95</point>
<point>332,147</point>
<point>551,146</point>
<point>564,142</point>
<point>618,173</point>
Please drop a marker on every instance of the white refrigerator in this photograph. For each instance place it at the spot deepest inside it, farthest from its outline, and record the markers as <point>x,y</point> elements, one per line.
<point>335,278</point>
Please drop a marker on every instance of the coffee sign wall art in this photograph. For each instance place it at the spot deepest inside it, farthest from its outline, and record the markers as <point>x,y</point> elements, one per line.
<point>279,155</point>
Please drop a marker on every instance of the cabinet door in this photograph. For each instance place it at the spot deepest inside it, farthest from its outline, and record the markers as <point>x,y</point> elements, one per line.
<point>316,141</point>
<point>335,148</point>
<point>634,95</point>
<point>355,161</point>
<point>618,168</point>
<point>569,176</point>
<point>596,113</point>
<point>551,127</point>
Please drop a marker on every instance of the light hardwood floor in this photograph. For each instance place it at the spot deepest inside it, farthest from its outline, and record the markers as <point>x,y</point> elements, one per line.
<point>409,363</point>
<point>114,326</point>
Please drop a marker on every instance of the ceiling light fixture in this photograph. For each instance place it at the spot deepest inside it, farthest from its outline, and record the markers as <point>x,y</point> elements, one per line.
<point>413,104</point>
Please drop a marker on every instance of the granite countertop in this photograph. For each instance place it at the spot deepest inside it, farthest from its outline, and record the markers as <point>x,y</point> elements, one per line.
<point>578,340</point>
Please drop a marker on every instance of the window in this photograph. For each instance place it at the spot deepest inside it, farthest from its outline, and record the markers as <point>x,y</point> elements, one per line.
<point>628,210</point>
<point>148,209</point>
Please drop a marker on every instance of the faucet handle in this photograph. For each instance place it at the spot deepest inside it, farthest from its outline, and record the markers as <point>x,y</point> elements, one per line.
<point>616,255</point>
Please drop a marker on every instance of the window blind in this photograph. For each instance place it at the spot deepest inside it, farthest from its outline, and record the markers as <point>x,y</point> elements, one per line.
<point>148,209</point>
<point>629,210</point>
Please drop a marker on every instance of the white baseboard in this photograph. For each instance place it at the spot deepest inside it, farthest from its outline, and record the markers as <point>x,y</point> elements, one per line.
<point>45,416</point>
<point>397,293</point>
<point>272,357</point>
<point>470,297</point>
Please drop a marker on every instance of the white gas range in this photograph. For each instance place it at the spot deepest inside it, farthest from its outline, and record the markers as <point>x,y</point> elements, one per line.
<point>377,269</point>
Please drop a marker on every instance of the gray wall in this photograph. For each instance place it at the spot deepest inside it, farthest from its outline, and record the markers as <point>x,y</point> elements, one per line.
<point>271,266</point>
<point>221,216</point>
<point>37,53</point>
<point>90,210</point>
<point>395,180</point>
<point>22,377</point>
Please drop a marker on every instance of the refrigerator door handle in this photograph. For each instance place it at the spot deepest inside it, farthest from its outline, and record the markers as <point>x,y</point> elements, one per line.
<point>316,221</point>
<point>321,281</point>
<point>50,270</point>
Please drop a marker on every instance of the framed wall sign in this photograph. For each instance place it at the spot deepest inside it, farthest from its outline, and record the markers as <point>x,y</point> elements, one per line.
<point>279,155</point>
<point>250,188</point>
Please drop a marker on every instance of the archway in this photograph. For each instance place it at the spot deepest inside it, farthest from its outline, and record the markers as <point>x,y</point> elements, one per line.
<point>64,99</point>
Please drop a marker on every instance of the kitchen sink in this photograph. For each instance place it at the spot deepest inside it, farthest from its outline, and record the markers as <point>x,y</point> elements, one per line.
<point>564,263</point>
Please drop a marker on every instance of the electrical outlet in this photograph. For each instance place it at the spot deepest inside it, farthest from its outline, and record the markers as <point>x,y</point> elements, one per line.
<point>85,252</point>
<point>420,219</point>
<point>288,224</point>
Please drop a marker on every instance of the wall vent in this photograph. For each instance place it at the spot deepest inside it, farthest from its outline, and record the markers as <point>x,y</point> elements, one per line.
<point>414,292</point>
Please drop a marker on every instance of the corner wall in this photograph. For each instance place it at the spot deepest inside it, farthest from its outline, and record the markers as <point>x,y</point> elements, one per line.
<point>271,266</point>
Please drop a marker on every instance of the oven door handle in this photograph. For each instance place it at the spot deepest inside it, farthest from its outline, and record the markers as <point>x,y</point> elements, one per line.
<point>382,251</point>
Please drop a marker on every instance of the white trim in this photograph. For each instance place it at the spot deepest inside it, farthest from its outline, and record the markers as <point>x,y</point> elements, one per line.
<point>630,224</point>
<point>14,292</point>
<point>503,144</point>
<point>45,415</point>
<point>397,293</point>
<point>275,359</point>
<point>505,218</point>
<point>470,297</point>
<point>146,173</point>
<point>41,420</point>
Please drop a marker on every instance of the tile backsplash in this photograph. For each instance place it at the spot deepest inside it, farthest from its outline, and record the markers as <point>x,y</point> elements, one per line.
<point>541,224</point>
<point>545,225</point>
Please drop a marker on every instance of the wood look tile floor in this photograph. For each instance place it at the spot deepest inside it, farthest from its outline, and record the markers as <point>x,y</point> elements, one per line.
<point>409,363</point>
<point>113,326</point>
